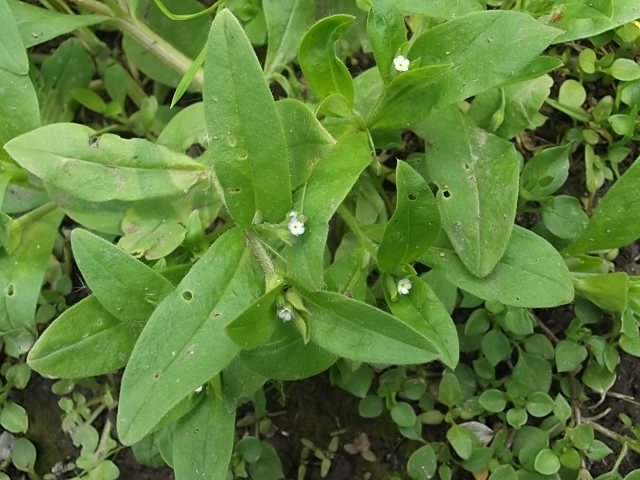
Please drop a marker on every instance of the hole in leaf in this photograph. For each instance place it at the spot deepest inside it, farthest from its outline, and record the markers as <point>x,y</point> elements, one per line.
<point>156,375</point>
<point>412,196</point>
<point>216,314</point>
<point>187,295</point>
<point>10,290</point>
<point>235,190</point>
<point>446,193</point>
<point>466,166</point>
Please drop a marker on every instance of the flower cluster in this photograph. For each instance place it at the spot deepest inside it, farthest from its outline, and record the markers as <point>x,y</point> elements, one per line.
<point>296,223</point>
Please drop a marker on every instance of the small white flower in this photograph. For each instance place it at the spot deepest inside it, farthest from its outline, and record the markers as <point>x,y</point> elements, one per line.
<point>198,390</point>
<point>285,314</point>
<point>296,227</point>
<point>404,286</point>
<point>293,214</point>
<point>401,63</point>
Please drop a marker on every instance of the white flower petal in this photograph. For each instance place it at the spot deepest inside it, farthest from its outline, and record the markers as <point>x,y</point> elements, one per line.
<point>404,286</point>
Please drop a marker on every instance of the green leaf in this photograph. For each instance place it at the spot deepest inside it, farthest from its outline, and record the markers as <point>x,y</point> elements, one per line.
<point>68,68</point>
<point>13,56</point>
<point>185,128</point>
<point>616,222</point>
<point>128,289</point>
<point>546,462</point>
<point>462,441</point>
<point>422,310</point>
<point>477,178</point>
<point>564,217</point>
<point>307,140</point>
<point>287,22</point>
<point>163,369</point>
<point>187,78</point>
<point>268,467</point>
<point>545,172</point>
<point>318,199</point>
<point>422,463</point>
<point>241,114</point>
<point>387,33</point>
<point>540,404</point>
<point>23,453</point>
<point>496,347</point>
<point>449,390</point>
<point>443,9</point>
<point>493,400</point>
<point>572,94</point>
<point>534,372</point>
<point>370,406</point>
<point>22,272</point>
<point>323,70</point>
<point>527,443</point>
<point>188,37</point>
<point>360,332</point>
<point>89,99</point>
<point>203,441</point>
<point>250,448</point>
<point>255,325</point>
<point>531,273</point>
<point>403,414</point>
<point>239,382</point>
<point>585,18</point>
<point>504,472</point>
<point>286,357</point>
<point>13,418</point>
<point>598,377</point>
<point>68,347</point>
<point>39,25</point>
<point>19,111</point>
<point>415,224</point>
<point>153,229</point>
<point>506,42</point>
<point>582,436</point>
<point>73,158</point>
<point>569,355</point>
<point>522,101</point>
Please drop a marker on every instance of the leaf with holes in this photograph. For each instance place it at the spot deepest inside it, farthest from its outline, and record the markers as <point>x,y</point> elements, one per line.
<point>415,224</point>
<point>164,369</point>
<point>128,289</point>
<point>531,273</point>
<point>422,309</point>
<point>323,70</point>
<point>317,200</point>
<point>203,441</point>
<point>360,332</point>
<point>240,114</point>
<point>616,222</point>
<point>74,159</point>
<point>477,178</point>
<point>22,272</point>
<point>85,341</point>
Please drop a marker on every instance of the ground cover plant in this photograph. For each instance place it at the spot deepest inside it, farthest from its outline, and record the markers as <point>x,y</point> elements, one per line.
<point>274,239</point>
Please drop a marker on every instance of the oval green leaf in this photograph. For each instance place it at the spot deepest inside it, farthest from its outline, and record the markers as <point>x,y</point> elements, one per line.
<point>422,310</point>
<point>255,325</point>
<point>477,178</point>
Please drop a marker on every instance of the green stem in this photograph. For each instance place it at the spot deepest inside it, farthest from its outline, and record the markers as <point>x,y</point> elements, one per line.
<point>173,16</point>
<point>354,226</point>
<point>148,38</point>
